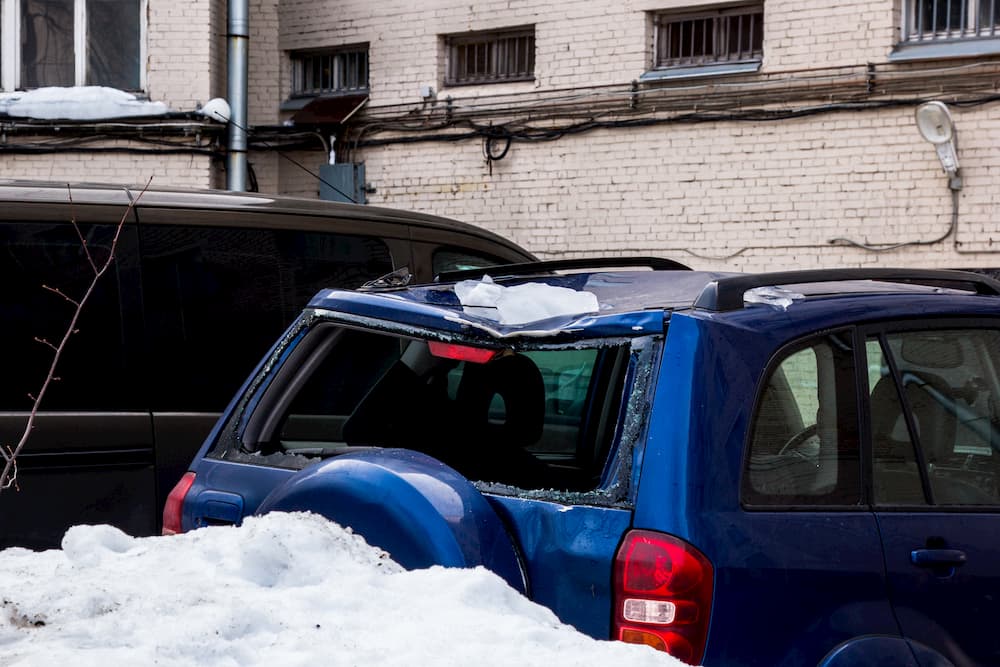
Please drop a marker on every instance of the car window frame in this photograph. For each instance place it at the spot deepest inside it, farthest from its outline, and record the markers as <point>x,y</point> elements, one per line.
<point>880,330</point>
<point>777,358</point>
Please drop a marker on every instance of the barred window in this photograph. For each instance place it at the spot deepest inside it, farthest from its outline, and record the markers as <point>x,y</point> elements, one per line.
<point>950,20</point>
<point>330,71</point>
<point>491,57</point>
<point>708,37</point>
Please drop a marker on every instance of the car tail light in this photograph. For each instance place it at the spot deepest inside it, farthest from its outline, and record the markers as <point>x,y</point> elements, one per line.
<point>475,355</point>
<point>175,505</point>
<point>662,594</point>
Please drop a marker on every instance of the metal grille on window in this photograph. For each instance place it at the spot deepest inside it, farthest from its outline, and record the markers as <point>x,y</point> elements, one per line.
<point>331,72</point>
<point>491,57</point>
<point>729,35</point>
<point>949,20</point>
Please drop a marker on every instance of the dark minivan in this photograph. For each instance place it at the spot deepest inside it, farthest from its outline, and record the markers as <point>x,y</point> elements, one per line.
<point>201,285</point>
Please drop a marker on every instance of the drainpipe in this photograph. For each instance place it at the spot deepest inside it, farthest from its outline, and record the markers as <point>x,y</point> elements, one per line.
<point>238,38</point>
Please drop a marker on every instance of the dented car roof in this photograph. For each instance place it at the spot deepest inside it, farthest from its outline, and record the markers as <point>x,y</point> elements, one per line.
<point>628,303</point>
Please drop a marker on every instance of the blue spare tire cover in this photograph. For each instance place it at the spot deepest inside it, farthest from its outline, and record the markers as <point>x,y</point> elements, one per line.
<point>415,507</point>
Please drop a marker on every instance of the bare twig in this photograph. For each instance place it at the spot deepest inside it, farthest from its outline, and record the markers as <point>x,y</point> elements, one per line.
<point>8,478</point>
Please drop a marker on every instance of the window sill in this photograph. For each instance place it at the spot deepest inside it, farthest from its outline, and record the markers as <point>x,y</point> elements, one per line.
<point>301,101</point>
<point>932,50</point>
<point>715,69</point>
<point>488,82</point>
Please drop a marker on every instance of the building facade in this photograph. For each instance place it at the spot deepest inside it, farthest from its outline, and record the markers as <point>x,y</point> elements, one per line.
<point>741,135</point>
<point>171,52</point>
<point>730,135</point>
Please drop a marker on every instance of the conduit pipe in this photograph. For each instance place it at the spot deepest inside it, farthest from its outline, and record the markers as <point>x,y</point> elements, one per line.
<point>238,37</point>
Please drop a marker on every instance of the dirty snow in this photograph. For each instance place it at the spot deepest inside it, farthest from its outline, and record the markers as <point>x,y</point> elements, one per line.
<point>283,589</point>
<point>78,103</point>
<point>522,304</point>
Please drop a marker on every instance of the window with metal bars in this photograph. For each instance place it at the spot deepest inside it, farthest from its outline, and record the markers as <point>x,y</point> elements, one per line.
<point>330,72</point>
<point>734,34</point>
<point>950,20</point>
<point>495,56</point>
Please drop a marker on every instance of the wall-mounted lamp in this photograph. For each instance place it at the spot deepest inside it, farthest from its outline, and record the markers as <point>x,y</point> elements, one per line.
<point>936,126</point>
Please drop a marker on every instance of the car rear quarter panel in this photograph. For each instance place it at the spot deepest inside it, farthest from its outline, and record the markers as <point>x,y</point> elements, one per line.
<point>806,580</point>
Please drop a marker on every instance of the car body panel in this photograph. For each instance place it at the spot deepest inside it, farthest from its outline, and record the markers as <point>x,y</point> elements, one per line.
<point>970,591</point>
<point>563,545</point>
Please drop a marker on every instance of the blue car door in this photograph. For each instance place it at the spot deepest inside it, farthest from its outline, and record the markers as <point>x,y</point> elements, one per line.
<point>934,396</point>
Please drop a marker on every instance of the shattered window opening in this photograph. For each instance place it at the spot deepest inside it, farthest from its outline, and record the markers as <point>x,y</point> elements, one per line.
<point>542,417</point>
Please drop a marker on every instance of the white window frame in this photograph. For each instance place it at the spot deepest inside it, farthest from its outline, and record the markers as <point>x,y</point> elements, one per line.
<point>10,45</point>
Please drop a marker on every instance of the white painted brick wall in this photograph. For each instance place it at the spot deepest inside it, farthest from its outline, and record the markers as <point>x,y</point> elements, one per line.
<point>183,51</point>
<point>183,171</point>
<point>724,195</point>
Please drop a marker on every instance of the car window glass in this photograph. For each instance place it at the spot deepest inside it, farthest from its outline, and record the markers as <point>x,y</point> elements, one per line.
<point>93,371</point>
<point>951,391</point>
<point>217,298</point>
<point>453,259</point>
<point>803,442</point>
<point>895,472</point>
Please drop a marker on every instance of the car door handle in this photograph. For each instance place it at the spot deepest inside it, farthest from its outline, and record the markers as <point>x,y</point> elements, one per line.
<point>937,557</point>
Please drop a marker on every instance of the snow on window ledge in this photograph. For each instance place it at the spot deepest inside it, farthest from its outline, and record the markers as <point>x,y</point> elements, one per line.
<point>78,103</point>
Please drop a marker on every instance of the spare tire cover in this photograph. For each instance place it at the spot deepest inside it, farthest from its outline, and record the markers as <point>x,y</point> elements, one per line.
<point>418,509</point>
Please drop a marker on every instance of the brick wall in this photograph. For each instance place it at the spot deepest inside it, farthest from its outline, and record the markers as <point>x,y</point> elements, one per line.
<point>183,171</point>
<point>727,194</point>
<point>185,67</point>
<point>740,196</point>
<point>183,51</point>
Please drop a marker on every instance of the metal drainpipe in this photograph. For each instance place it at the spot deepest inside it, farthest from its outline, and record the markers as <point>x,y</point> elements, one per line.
<point>238,38</point>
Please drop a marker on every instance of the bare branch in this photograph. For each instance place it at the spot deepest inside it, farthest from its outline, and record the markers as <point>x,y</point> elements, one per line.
<point>79,234</point>
<point>56,290</point>
<point>8,478</point>
<point>45,342</point>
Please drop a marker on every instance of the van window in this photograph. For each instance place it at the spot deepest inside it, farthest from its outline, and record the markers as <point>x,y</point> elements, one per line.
<point>453,259</point>
<point>93,372</point>
<point>216,299</point>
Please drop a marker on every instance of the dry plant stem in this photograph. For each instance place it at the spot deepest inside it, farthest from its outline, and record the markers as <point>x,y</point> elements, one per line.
<point>9,476</point>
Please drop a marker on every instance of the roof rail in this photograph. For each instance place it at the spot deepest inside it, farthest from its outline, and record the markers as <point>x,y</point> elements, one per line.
<point>528,268</point>
<point>727,293</point>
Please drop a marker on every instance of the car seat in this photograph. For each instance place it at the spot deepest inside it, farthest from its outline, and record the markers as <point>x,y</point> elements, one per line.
<point>501,406</point>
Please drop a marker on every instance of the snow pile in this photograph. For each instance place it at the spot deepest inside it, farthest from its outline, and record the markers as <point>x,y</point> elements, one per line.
<point>78,103</point>
<point>283,589</point>
<point>521,304</point>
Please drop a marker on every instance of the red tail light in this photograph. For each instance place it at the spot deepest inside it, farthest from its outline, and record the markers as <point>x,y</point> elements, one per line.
<point>175,505</point>
<point>662,594</point>
<point>475,355</point>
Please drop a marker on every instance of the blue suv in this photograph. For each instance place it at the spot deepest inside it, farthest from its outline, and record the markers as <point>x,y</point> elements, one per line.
<point>797,468</point>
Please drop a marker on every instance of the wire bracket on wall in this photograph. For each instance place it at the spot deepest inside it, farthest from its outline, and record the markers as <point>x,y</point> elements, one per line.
<point>491,138</point>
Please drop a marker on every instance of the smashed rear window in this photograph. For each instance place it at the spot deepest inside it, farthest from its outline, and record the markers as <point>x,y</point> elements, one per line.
<point>538,418</point>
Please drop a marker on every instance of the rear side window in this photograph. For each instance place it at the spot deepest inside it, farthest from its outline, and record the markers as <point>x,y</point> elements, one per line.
<point>534,419</point>
<point>217,298</point>
<point>935,417</point>
<point>804,442</point>
<point>94,370</point>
